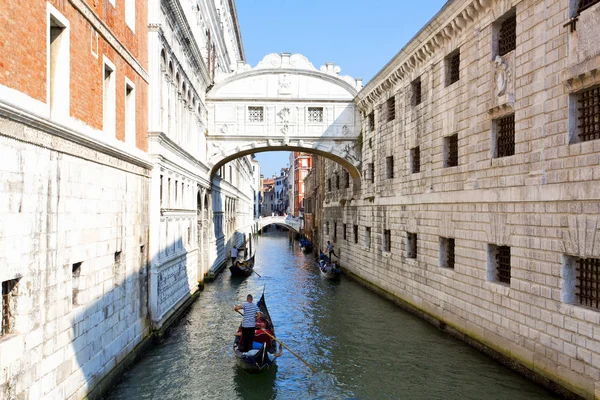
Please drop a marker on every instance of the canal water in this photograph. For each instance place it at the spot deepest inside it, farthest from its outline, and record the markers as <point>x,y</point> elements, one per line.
<point>363,346</point>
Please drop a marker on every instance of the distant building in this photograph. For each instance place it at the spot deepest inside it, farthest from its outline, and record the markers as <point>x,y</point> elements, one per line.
<point>301,163</point>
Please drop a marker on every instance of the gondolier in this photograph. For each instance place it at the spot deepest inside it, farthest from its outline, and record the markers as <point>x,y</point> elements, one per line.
<point>248,323</point>
<point>234,254</point>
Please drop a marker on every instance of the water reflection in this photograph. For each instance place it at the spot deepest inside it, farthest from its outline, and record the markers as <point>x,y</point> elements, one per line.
<point>261,386</point>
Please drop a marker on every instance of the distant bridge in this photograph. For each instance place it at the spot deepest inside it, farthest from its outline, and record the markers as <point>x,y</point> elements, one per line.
<point>294,224</point>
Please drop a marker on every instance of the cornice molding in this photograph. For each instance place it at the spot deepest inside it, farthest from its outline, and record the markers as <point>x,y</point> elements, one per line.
<point>422,47</point>
<point>112,40</point>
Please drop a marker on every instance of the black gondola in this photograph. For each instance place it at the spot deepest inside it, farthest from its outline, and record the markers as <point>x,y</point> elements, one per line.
<point>263,356</point>
<point>242,268</point>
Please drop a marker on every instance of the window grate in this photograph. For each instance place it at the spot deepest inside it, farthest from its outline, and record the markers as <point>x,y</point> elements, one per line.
<point>391,108</point>
<point>416,160</point>
<point>588,282</point>
<point>344,232</point>
<point>389,167</point>
<point>505,135</point>
<point>255,114</point>
<point>355,229</point>
<point>347,180</point>
<point>368,237</point>
<point>454,63</point>
<point>315,114</point>
<point>417,93</point>
<point>503,264</point>
<point>7,316</point>
<point>452,149</point>
<point>507,36</point>
<point>411,248</point>
<point>387,240</point>
<point>371,118</point>
<point>335,231</point>
<point>371,172</point>
<point>447,253</point>
<point>337,181</point>
<point>585,4</point>
<point>589,114</point>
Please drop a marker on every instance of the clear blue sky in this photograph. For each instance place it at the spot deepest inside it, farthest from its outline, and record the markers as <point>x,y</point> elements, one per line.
<point>358,35</point>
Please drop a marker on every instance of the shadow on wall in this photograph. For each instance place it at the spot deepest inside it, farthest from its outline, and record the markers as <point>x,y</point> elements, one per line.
<point>110,319</point>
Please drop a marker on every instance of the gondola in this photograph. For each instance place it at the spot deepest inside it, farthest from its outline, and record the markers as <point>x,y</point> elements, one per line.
<point>329,270</point>
<point>264,352</point>
<point>305,245</point>
<point>242,268</point>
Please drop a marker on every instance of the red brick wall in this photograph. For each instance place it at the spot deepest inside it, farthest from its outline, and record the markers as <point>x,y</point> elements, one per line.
<point>23,58</point>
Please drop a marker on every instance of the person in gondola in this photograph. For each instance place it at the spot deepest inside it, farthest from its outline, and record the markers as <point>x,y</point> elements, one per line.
<point>234,255</point>
<point>248,323</point>
<point>330,250</point>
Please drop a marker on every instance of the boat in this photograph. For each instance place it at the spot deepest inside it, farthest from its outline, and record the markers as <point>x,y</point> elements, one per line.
<point>306,245</point>
<point>264,353</point>
<point>242,268</point>
<point>329,270</point>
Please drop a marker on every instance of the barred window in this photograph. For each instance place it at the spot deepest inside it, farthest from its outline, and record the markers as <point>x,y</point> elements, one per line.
<point>507,35</point>
<point>588,111</point>
<point>505,136</point>
<point>9,292</point>
<point>329,184</point>
<point>451,151</point>
<point>415,160</point>
<point>585,4</point>
<point>453,67</point>
<point>315,114</point>
<point>499,264</point>
<point>588,282</point>
<point>387,240</point>
<point>391,108</point>
<point>334,231</point>
<point>389,167</point>
<point>255,114</point>
<point>417,94</point>
<point>371,118</point>
<point>337,181</point>
<point>447,253</point>
<point>371,172</point>
<point>344,232</point>
<point>368,237</point>
<point>355,232</point>
<point>411,245</point>
<point>347,179</point>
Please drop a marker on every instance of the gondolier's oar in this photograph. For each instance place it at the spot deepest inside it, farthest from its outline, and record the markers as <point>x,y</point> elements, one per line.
<point>256,273</point>
<point>283,344</point>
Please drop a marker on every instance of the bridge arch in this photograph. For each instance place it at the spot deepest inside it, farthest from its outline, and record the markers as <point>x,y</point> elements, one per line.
<point>293,224</point>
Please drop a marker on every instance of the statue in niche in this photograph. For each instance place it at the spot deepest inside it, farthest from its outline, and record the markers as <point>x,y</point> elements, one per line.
<point>502,75</point>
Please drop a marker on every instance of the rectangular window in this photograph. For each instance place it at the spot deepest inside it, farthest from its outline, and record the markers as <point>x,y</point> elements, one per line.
<point>585,4</point>
<point>130,14</point>
<point>368,237</point>
<point>411,245</point>
<point>415,160</point>
<point>447,253</point>
<point>391,108</point>
<point>371,120</point>
<point>507,34</point>
<point>161,191</point>
<point>347,179</point>
<point>344,232</point>
<point>337,181</point>
<point>9,291</point>
<point>334,231</point>
<point>315,114</point>
<point>452,62</point>
<point>255,114</point>
<point>169,193</point>
<point>451,151</point>
<point>498,264</point>
<point>387,240</point>
<point>355,233</point>
<point>371,172</point>
<point>109,103</point>
<point>588,114</point>
<point>130,114</point>
<point>588,282</point>
<point>59,68</point>
<point>389,167</point>
<point>329,184</point>
<point>327,228</point>
<point>76,271</point>
<point>417,94</point>
<point>504,132</point>
<point>117,269</point>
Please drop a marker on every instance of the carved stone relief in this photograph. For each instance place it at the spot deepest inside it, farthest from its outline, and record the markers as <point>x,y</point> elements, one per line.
<point>580,238</point>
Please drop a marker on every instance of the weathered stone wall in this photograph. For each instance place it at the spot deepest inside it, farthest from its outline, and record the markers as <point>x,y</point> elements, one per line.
<point>543,201</point>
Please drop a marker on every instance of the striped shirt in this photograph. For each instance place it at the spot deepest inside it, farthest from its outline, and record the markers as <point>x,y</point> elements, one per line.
<point>250,310</point>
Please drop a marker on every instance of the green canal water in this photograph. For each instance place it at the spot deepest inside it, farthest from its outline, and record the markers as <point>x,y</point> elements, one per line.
<point>363,346</point>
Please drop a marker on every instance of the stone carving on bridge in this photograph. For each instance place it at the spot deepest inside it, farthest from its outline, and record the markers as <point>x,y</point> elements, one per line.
<point>224,129</point>
<point>285,84</point>
<point>351,153</point>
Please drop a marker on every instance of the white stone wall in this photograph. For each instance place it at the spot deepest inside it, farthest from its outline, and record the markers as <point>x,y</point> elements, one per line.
<point>543,202</point>
<point>61,206</point>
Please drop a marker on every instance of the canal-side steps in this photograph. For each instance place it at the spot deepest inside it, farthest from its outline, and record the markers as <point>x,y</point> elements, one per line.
<point>511,360</point>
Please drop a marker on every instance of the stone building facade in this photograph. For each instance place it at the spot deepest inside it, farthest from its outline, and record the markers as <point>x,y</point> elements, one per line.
<point>75,179</point>
<point>479,202</point>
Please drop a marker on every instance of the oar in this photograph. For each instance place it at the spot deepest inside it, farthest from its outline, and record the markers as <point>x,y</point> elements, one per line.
<point>256,273</point>
<point>283,344</point>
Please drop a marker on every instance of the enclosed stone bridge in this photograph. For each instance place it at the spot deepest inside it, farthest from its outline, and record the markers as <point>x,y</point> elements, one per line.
<point>294,224</point>
<point>284,103</point>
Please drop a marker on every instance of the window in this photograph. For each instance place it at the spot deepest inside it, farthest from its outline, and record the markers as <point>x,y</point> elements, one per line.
<point>58,78</point>
<point>368,237</point>
<point>355,233</point>
<point>371,172</point>
<point>130,14</point>
<point>329,184</point>
<point>452,62</point>
<point>389,167</point>
<point>117,269</point>
<point>504,132</point>
<point>507,33</point>
<point>9,292</point>
<point>415,160</point>
<point>327,228</point>
<point>129,113</point>
<point>447,253</point>
<point>371,121</point>
<point>109,96</point>
<point>451,151</point>
<point>255,114</point>
<point>315,114</point>
<point>334,231</point>
<point>161,190</point>
<point>585,4</point>
<point>391,108</point>
<point>498,264</point>
<point>411,245</point>
<point>588,114</point>
<point>387,240</point>
<point>337,181</point>
<point>344,232</point>
<point>168,192</point>
<point>417,95</point>
<point>76,271</point>
<point>582,281</point>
